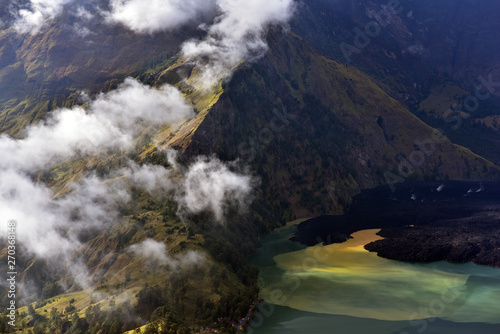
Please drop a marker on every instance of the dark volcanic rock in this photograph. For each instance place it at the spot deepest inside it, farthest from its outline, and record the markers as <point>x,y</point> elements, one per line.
<point>421,222</point>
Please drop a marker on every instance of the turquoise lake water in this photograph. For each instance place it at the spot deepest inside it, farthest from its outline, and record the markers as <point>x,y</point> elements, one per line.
<point>343,288</point>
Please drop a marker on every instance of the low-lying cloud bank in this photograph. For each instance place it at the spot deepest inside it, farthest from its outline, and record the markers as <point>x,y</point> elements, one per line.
<point>50,228</point>
<point>109,122</point>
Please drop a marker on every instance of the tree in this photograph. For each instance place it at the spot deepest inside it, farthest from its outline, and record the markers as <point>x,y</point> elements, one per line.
<point>75,321</point>
<point>151,328</point>
<point>115,328</point>
<point>31,311</point>
<point>149,299</point>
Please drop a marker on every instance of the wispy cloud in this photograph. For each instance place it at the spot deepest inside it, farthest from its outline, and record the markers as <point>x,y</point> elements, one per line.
<point>155,253</point>
<point>109,122</point>
<point>112,121</point>
<point>48,227</point>
<point>52,228</point>
<point>156,180</point>
<point>32,18</point>
<point>210,185</point>
<point>237,34</point>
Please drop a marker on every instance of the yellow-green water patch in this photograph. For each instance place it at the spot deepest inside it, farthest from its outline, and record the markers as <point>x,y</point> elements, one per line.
<point>345,279</point>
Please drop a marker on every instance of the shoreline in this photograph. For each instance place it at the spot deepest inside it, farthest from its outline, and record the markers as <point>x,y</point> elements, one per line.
<point>458,226</point>
<point>341,279</point>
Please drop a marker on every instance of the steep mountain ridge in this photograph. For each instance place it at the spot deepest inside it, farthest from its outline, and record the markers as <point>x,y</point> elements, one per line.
<point>341,131</point>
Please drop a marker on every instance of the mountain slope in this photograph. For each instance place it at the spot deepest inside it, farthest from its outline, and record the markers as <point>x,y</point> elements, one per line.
<point>318,131</point>
<point>430,56</point>
<point>39,73</point>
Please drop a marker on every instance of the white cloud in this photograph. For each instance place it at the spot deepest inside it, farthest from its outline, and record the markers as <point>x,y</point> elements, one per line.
<point>152,250</point>
<point>110,122</point>
<point>154,179</point>
<point>159,15</point>
<point>133,101</point>
<point>84,14</point>
<point>207,184</point>
<point>27,203</point>
<point>49,228</point>
<point>237,35</point>
<point>82,31</point>
<point>60,137</point>
<point>210,185</point>
<point>93,203</point>
<point>155,252</point>
<point>32,19</point>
